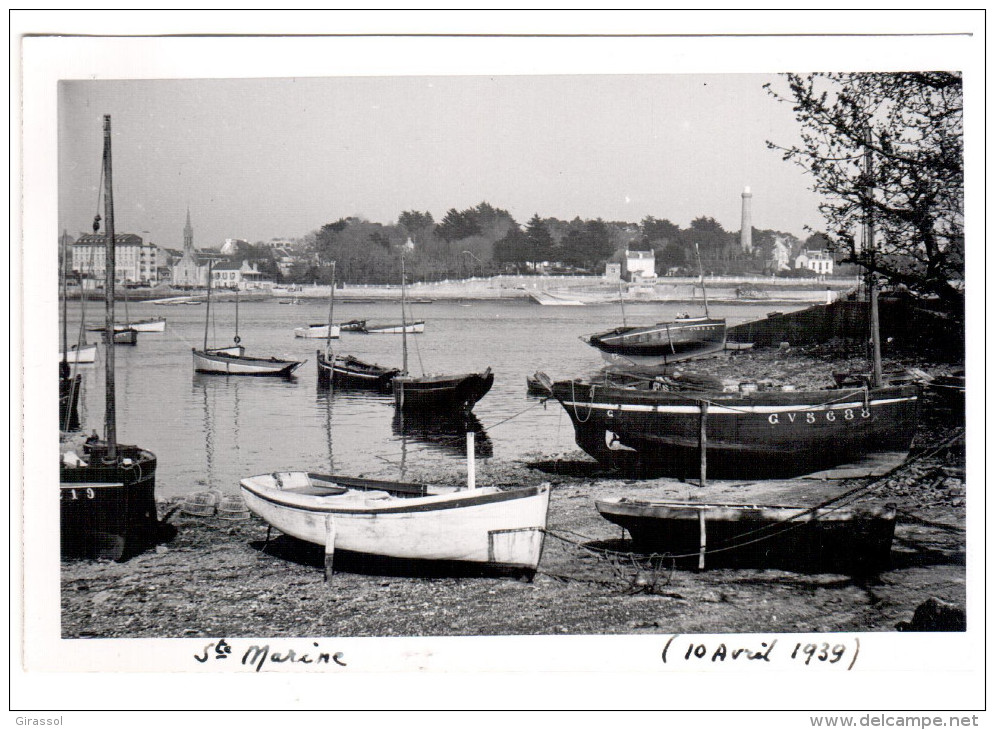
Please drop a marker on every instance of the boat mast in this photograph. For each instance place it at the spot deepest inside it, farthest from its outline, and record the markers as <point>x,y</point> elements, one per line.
<point>404,322</point>
<point>701,274</point>
<point>207,314</point>
<point>237,338</point>
<point>331,309</point>
<point>110,405</point>
<point>65,311</point>
<point>872,289</point>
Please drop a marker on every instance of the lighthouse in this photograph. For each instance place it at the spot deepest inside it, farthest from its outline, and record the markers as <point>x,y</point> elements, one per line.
<point>746,230</point>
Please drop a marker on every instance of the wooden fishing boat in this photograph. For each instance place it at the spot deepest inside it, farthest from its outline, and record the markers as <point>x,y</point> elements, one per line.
<point>485,526</point>
<point>757,535</point>
<point>410,328</point>
<point>318,331</point>
<point>350,372</point>
<point>80,355</point>
<point>454,393</point>
<point>662,343</point>
<point>107,495</point>
<point>744,434</point>
<point>218,362</point>
<point>232,360</point>
<point>950,389</point>
<point>444,393</point>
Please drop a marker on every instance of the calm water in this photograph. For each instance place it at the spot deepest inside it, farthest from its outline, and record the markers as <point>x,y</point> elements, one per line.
<point>210,431</point>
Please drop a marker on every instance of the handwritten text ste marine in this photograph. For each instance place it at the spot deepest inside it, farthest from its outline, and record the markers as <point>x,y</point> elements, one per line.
<point>258,656</point>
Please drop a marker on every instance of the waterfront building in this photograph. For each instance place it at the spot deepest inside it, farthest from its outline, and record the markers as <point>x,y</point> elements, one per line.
<point>191,268</point>
<point>818,261</point>
<point>640,265</point>
<point>135,261</point>
<point>231,275</point>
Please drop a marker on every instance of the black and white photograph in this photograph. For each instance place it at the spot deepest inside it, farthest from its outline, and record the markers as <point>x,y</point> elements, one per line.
<point>469,356</point>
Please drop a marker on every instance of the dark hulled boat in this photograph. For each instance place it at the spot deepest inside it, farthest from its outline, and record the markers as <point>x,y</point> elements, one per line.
<point>662,343</point>
<point>452,393</point>
<point>745,435</point>
<point>852,537</point>
<point>107,496</point>
<point>351,372</point>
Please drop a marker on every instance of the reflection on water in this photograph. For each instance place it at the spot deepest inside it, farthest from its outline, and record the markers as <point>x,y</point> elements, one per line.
<point>444,433</point>
<point>210,431</point>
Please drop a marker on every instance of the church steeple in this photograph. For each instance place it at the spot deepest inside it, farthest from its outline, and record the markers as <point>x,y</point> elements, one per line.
<point>188,234</point>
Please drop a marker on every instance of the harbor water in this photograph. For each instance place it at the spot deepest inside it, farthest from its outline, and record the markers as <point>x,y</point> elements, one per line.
<point>209,431</point>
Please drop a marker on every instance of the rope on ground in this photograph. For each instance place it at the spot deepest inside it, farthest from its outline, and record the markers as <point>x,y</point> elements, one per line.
<point>640,572</point>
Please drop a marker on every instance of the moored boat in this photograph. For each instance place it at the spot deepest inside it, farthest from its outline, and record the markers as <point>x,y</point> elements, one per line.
<point>662,343</point>
<point>107,495</point>
<point>351,372</point>
<point>318,331</point>
<point>353,325</point>
<point>758,535</point>
<point>220,362</point>
<point>410,328</point>
<point>499,529</point>
<point>153,324</point>
<point>744,434</point>
<point>454,393</point>
<point>125,336</point>
<point>232,360</point>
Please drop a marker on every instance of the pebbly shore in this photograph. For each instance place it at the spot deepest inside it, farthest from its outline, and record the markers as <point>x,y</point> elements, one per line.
<point>220,578</point>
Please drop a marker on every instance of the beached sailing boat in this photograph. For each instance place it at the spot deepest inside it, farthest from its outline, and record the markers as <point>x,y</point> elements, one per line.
<point>107,494</point>
<point>665,342</point>
<point>451,393</point>
<point>348,371</point>
<point>663,429</point>
<point>233,360</point>
<point>69,382</point>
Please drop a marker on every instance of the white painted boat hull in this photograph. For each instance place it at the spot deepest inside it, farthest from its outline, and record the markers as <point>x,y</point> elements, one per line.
<point>412,329</point>
<point>152,325</point>
<point>217,363</point>
<point>318,332</point>
<point>81,355</point>
<point>485,525</point>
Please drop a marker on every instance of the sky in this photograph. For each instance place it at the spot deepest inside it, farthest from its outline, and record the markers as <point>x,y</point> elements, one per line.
<point>277,158</point>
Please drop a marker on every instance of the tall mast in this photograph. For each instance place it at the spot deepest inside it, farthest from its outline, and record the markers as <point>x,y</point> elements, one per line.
<point>701,274</point>
<point>110,404</point>
<point>331,309</point>
<point>237,338</point>
<point>207,314</point>
<point>65,295</point>
<point>872,289</point>
<point>404,322</point>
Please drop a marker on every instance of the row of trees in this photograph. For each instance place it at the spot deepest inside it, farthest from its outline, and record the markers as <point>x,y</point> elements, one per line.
<point>883,150</point>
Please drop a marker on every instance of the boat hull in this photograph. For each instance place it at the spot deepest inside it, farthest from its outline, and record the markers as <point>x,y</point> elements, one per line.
<point>149,325</point>
<point>487,526</point>
<point>317,332</point>
<point>126,337</point>
<point>756,435</point>
<point>662,343</point>
<point>84,355</point>
<point>217,362</point>
<point>413,328</point>
<point>349,372</point>
<point>108,511</point>
<point>452,393</point>
<point>757,535</point>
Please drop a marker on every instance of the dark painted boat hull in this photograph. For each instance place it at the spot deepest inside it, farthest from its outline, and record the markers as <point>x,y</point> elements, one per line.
<point>663,343</point>
<point>758,535</point>
<point>108,511</point>
<point>757,435</point>
<point>349,372</point>
<point>451,393</point>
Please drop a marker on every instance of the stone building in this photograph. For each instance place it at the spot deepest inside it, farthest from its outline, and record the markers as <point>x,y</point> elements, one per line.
<point>135,261</point>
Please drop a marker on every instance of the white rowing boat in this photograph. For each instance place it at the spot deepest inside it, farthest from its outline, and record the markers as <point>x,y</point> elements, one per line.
<point>498,528</point>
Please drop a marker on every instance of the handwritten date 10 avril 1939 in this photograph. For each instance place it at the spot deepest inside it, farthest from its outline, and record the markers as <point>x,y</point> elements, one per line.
<point>804,653</point>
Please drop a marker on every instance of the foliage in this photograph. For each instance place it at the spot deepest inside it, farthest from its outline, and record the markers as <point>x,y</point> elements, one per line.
<point>886,150</point>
